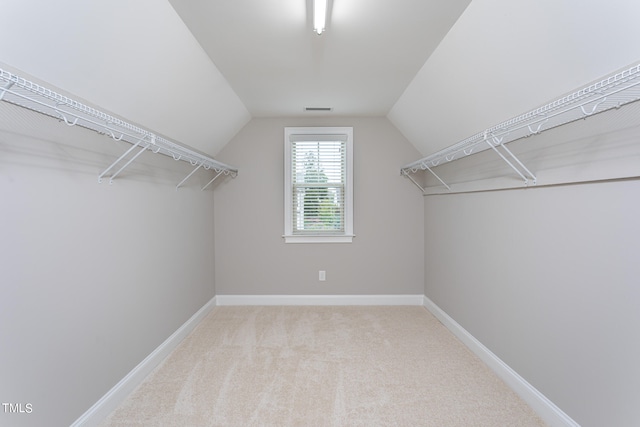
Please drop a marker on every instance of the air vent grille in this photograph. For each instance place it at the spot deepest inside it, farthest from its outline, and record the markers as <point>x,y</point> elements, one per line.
<point>318,108</point>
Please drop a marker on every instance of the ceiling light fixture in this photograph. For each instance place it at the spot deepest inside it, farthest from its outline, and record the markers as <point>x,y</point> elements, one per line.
<point>319,15</point>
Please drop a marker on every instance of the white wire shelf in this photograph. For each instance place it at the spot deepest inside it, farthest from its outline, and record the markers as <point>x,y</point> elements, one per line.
<point>610,92</point>
<point>24,93</point>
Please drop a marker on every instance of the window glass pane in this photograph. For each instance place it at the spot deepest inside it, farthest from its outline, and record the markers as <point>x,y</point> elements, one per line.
<point>318,179</point>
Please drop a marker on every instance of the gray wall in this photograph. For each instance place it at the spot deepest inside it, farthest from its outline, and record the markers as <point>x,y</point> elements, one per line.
<point>547,278</point>
<point>93,277</point>
<point>386,256</point>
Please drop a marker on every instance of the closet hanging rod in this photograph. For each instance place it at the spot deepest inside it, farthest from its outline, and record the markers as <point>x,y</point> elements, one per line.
<point>609,92</point>
<point>24,93</point>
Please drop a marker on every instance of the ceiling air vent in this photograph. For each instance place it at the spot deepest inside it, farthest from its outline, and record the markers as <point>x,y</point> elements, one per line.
<point>318,108</point>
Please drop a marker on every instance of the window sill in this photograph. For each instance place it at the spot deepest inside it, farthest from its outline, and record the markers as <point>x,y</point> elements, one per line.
<point>343,238</point>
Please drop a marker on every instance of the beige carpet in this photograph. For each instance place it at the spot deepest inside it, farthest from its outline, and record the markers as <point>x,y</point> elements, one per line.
<point>322,366</point>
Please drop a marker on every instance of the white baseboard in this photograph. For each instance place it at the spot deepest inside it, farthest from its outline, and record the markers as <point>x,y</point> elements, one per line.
<point>545,408</point>
<point>110,401</point>
<point>319,299</point>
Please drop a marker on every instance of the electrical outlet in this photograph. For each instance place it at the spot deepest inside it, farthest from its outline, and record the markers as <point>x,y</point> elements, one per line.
<point>322,275</point>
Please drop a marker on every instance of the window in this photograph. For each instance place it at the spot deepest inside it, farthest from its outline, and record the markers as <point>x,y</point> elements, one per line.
<point>318,202</point>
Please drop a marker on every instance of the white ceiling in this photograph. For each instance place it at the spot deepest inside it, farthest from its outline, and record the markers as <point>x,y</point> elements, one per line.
<point>197,70</point>
<point>135,59</point>
<point>359,66</point>
<point>503,58</point>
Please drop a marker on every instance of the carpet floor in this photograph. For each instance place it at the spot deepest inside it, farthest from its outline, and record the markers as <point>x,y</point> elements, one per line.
<point>322,366</point>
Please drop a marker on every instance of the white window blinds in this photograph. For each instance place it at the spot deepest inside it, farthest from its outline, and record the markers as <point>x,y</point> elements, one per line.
<point>318,184</point>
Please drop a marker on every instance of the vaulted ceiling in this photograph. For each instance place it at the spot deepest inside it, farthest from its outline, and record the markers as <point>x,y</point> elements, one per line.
<point>198,70</point>
<point>359,66</point>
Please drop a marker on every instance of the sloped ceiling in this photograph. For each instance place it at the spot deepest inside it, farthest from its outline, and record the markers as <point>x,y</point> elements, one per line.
<point>197,71</point>
<point>503,58</point>
<point>277,65</point>
<point>135,59</point>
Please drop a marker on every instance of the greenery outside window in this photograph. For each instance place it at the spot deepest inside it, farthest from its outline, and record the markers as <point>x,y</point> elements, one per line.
<point>318,185</point>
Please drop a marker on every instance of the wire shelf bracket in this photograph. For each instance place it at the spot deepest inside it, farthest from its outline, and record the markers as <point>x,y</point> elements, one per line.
<point>211,182</point>
<point>24,93</point>
<point>613,91</point>
<point>423,166</point>
<point>119,159</point>
<point>498,142</point>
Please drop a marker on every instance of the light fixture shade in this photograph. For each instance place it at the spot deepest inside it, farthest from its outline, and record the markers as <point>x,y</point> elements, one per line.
<point>319,15</point>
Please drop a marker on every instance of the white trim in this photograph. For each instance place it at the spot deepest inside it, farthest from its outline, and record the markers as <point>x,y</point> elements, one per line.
<point>343,238</point>
<point>319,300</point>
<point>109,402</point>
<point>545,408</point>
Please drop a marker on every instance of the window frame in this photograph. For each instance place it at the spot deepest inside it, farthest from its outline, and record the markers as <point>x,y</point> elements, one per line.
<point>344,237</point>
